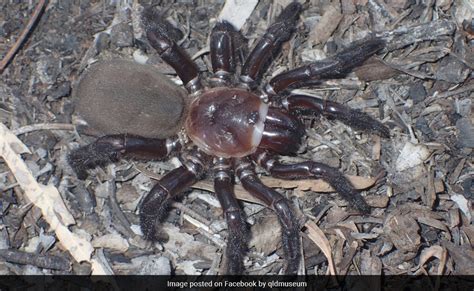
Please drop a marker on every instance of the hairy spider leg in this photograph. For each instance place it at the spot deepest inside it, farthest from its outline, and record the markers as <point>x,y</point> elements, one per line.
<point>155,205</point>
<point>309,105</point>
<point>333,67</point>
<point>237,229</point>
<point>158,35</point>
<point>270,42</point>
<point>312,170</point>
<point>280,205</point>
<point>222,52</point>
<point>111,148</point>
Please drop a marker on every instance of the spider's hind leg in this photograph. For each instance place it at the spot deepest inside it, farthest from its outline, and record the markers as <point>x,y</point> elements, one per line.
<point>111,148</point>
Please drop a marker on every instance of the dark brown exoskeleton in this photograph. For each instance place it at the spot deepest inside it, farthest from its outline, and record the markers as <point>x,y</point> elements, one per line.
<point>225,129</point>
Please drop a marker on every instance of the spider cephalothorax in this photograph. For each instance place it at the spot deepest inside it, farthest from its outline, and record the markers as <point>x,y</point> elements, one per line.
<point>224,129</point>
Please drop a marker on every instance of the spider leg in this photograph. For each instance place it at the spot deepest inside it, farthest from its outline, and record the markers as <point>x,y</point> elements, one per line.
<point>282,208</point>
<point>222,52</point>
<point>111,148</point>
<point>282,132</point>
<point>276,34</point>
<point>154,206</point>
<point>334,67</point>
<point>237,240</point>
<point>354,118</point>
<point>315,170</point>
<point>159,37</point>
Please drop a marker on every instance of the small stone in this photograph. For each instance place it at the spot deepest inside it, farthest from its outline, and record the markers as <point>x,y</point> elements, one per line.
<point>411,155</point>
<point>102,42</point>
<point>452,70</point>
<point>111,241</point>
<point>153,265</point>
<point>422,125</point>
<point>59,91</point>
<point>122,35</point>
<point>417,92</point>
<point>48,68</point>
<point>466,132</point>
<point>468,186</point>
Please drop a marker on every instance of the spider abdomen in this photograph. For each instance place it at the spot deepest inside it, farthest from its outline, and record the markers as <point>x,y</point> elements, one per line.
<point>122,96</point>
<point>226,122</point>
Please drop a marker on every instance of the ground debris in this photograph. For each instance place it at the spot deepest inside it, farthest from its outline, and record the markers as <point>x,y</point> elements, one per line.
<point>419,182</point>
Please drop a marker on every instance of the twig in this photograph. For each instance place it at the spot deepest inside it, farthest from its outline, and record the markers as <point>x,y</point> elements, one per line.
<point>117,212</point>
<point>48,199</point>
<point>41,261</point>
<point>29,27</point>
<point>404,36</point>
<point>42,126</point>
<point>447,94</point>
<point>191,213</point>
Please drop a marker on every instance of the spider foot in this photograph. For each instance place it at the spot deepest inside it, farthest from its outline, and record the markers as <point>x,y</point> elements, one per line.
<point>290,236</point>
<point>315,170</point>
<point>153,210</point>
<point>333,110</point>
<point>151,231</point>
<point>291,244</point>
<point>278,203</point>
<point>333,67</point>
<point>237,242</point>
<point>357,53</point>
<point>155,22</point>
<point>156,203</point>
<point>364,122</point>
<point>98,153</point>
<point>345,189</point>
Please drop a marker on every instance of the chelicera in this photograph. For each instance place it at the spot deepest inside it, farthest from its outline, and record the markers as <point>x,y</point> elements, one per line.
<point>224,129</point>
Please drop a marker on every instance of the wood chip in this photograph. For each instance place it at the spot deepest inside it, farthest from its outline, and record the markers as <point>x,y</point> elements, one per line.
<point>236,12</point>
<point>322,30</point>
<point>434,251</point>
<point>46,198</point>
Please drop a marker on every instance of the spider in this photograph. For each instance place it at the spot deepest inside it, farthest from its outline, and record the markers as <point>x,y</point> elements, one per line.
<point>224,128</point>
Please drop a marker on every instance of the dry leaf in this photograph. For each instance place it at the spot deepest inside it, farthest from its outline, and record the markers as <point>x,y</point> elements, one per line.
<point>113,241</point>
<point>437,252</point>
<point>322,30</point>
<point>318,237</point>
<point>236,12</point>
<point>403,231</point>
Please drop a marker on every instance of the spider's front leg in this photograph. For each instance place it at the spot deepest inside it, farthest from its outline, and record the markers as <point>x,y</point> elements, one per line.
<point>237,230</point>
<point>334,67</point>
<point>111,148</point>
<point>155,204</point>
<point>271,41</point>
<point>278,203</point>
<point>222,52</point>
<point>313,170</point>
<point>159,37</point>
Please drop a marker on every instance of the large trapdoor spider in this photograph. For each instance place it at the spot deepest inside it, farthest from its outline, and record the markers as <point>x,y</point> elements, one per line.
<point>225,128</point>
